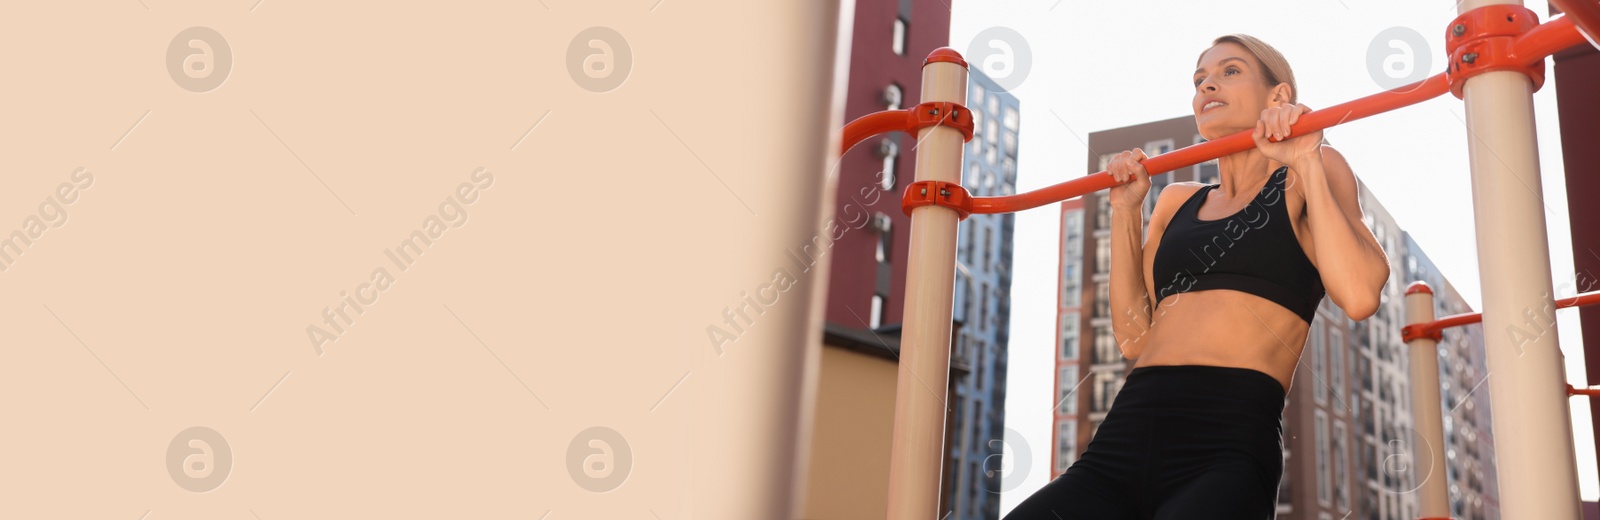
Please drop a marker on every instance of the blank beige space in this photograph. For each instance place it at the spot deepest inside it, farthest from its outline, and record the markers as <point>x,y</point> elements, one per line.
<point>219,225</point>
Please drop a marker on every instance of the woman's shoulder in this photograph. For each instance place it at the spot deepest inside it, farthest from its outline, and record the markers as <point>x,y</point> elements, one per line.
<point>1172,197</point>
<point>1179,191</point>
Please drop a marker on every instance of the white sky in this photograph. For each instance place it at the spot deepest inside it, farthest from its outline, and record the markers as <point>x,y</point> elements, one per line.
<point>1101,65</point>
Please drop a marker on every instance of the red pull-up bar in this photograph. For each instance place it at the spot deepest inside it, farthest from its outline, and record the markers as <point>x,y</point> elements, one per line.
<point>1196,154</point>
<point>1530,47</point>
<point>1433,329</point>
<point>1586,14</point>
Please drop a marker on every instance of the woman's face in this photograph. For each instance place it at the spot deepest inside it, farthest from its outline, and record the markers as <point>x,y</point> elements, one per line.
<point>1230,91</point>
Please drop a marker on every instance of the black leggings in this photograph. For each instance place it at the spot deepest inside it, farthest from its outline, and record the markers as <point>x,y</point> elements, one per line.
<point>1184,441</point>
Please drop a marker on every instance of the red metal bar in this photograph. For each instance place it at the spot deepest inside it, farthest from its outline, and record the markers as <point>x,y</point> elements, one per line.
<point>1588,298</point>
<point>1548,38</point>
<point>1591,392</point>
<point>870,125</point>
<point>1585,14</point>
<point>1192,155</point>
<point>1532,46</point>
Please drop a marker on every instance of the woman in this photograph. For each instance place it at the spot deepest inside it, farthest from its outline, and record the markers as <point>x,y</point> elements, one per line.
<point>1214,306</point>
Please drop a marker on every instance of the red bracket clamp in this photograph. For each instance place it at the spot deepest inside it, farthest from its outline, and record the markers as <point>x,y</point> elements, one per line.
<point>940,113</point>
<point>1480,41</point>
<point>911,120</point>
<point>947,194</point>
<point>1418,331</point>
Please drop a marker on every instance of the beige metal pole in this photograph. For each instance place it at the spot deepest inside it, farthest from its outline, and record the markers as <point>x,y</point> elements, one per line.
<point>919,410</point>
<point>1531,416</point>
<point>1433,497</point>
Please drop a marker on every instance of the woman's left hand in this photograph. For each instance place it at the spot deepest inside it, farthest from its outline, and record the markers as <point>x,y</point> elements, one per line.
<point>1289,149</point>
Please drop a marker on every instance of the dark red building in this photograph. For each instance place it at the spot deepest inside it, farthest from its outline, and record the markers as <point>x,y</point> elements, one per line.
<point>1577,78</point>
<point>884,73</point>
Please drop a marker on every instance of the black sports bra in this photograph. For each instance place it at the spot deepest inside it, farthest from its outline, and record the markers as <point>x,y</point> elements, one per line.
<point>1253,251</point>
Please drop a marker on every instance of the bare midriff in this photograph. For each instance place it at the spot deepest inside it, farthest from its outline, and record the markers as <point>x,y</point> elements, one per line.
<point>1224,327</point>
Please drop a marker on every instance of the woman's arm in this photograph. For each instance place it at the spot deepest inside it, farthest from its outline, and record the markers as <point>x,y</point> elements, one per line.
<point>1133,287</point>
<point>1354,267</point>
<point>1130,300</point>
<point>1130,297</point>
<point>1133,301</point>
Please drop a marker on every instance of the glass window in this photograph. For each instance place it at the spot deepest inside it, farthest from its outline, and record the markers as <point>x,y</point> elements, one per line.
<point>900,36</point>
<point>1340,479</point>
<point>1324,480</point>
<point>977,368</point>
<point>1066,444</point>
<point>1066,383</point>
<point>1102,255</point>
<point>1336,352</point>
<point>1069,336</point>
<point>1102,219</point>
<point>983,308</point>
<point>985,234</point>
<point>1105,345</point>
<point>885,244</point>
<point>1072,258</point>
<point>1102,300</point>
<point>890,161</point>
<point>1071,289</point>
<point>892,97</point>
<point>1010,118</point>
<point>990,133</point>
<point>1105,390</point>
<point>877,312</point>
<point>1320,388</point>
<point>971,242</point>
<point>975,97</point>
<point>1155,148</point>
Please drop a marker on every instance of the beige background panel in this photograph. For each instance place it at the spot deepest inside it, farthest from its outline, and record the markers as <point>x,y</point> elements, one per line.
<point>849,477</point>
<point>572,292</point>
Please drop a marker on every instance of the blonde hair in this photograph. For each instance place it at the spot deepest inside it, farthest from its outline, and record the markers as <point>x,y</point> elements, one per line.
<point>1272,62</point>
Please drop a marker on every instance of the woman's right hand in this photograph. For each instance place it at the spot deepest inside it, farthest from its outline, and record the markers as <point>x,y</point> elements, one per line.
<point>1123,167</point>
